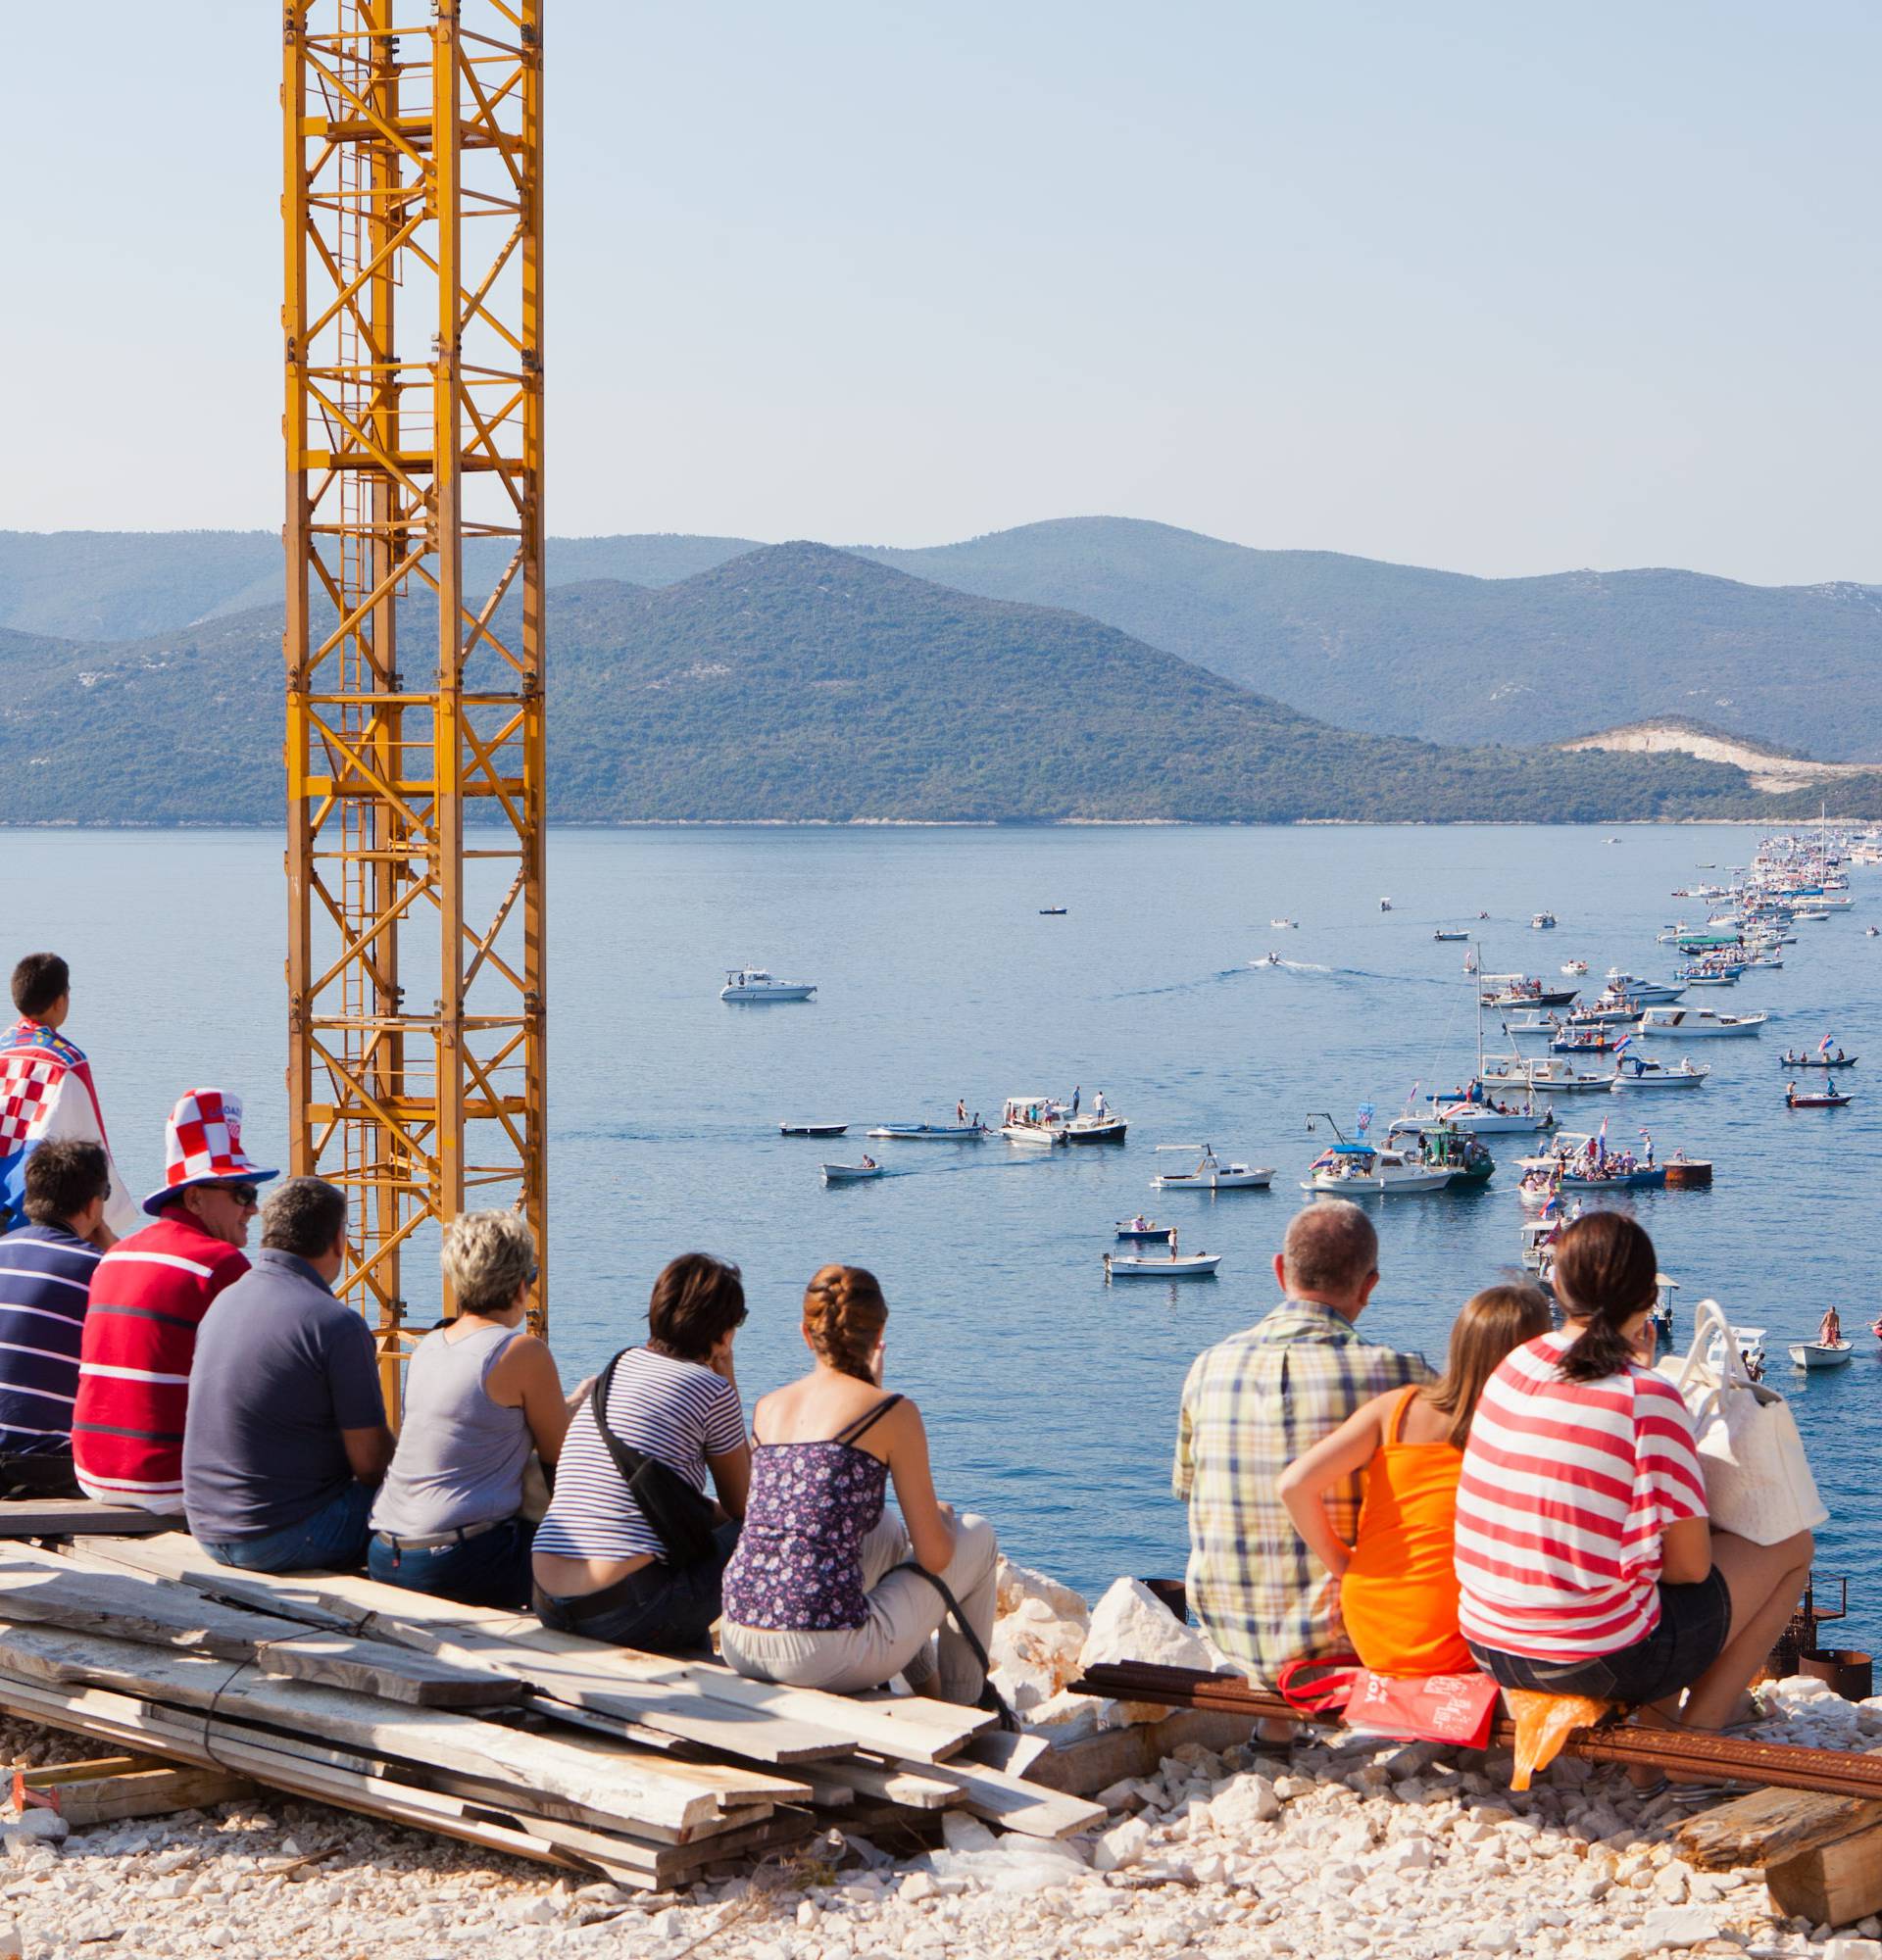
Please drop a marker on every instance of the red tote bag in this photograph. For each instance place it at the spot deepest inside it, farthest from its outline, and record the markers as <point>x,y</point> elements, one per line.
<point>1419,1708</point>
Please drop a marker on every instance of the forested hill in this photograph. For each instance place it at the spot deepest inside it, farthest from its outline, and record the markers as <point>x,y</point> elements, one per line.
<point>797,682</point>
<point>1392,649</point>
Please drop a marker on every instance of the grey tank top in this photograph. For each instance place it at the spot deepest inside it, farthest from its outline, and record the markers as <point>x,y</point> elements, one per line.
<point>461,1455</point>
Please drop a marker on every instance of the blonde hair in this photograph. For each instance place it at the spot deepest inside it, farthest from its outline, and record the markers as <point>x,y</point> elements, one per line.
<point>486,1257</point>
<point>1492,1326</point>
<point>844,1314</point>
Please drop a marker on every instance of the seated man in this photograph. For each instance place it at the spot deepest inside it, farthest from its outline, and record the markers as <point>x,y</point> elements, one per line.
<point>1251,1405</point>
<point>45,1270</point>
<point>286,1439</point>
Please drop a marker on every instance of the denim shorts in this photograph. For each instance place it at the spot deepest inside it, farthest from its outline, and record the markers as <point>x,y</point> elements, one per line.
<point>1694,1622</point>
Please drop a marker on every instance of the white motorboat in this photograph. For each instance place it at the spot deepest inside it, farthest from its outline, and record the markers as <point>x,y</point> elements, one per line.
<point>811,1129</point>
<point>1167,1266</point>
<point>1210,1174</point>
<point>1284,925</point>
<point>1385,905</point>
<point>1035,1119</point>
<point>1097,1125</point>
<point>1446,937</point>
<point>753,983</point>
<point>1751,1349</point>
<point>1636,1071</point>
<point>1482,1116</point>
<point>1648,992</point>
<point>857,1174</point>
<point>1367,1170</point>
<point>930,1133</point>
<point>1543,922</point>
<point>1691,1023</point>
<point>1551,1072</point>
<point>1538,1237</point>
<point>1576,966</point>
<point>1823,1353</point>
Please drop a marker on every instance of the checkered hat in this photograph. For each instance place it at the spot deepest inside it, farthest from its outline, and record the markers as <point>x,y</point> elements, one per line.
<point>203,1145</point>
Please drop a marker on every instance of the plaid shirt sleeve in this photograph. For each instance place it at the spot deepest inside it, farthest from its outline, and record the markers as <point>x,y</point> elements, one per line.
<point>1251,1405</point>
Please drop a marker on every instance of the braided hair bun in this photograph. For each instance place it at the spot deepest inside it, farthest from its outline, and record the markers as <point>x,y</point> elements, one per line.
<point>844,1314</point>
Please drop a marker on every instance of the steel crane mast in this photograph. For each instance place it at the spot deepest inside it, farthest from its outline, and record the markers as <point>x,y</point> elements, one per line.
<point>415,642</point>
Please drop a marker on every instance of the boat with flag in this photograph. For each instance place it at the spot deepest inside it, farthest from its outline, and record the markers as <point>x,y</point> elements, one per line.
<point>1822,1058</point>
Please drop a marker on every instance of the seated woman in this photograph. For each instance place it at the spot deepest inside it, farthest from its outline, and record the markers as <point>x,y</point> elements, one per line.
<point>1586,1561</point>
<point>601,1567</point>
<point>818,1593</point>
<point>1398,1580</point>
<point>479,1395</point>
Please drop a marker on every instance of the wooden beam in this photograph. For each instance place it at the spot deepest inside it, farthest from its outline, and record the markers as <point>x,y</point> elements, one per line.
<point>1833,1881</point>
<point>109,1788</point>
<point>76,1517</point>
<point>1768,1825</point>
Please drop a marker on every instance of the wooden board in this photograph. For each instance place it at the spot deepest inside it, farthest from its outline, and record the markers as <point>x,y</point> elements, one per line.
<point>610,1781</point>
<point>77,1517</point>
<point>45,1589</point>
<point>1767,1826</point>
<point>1096,1762</point>
<point>1012,1803</point>
<point>110,1788</point>
<point>1833,1882</point>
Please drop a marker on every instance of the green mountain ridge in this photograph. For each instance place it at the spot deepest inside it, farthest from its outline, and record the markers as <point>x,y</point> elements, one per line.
<point>1384,647</point>
<point>800,683</point>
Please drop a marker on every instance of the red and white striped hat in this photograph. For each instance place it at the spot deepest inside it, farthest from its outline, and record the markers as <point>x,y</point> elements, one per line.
<point>203,1145</point>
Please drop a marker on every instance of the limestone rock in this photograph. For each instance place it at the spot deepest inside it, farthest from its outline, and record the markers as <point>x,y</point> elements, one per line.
<point>1130,1623</point>
<point>1122,1844</point>
<point>1016,1584</point>
<point>1679,1926</point>
<point>1246,1800</point>
<point>1853,1949</point>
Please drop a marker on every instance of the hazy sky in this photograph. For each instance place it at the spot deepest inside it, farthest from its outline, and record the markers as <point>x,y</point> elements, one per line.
<point>1499,288</point>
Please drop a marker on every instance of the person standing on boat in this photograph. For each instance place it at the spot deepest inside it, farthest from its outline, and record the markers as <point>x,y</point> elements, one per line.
<point>1075,1098</point>
<point>959,1109</point>
<point>1790,1094</point>
<point>1829,1333</point>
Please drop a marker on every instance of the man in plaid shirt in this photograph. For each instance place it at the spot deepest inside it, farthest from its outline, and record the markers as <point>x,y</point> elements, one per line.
<point>1251,1405</point>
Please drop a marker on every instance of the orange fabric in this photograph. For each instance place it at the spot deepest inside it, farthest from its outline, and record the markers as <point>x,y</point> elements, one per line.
<point>1399,1597</point>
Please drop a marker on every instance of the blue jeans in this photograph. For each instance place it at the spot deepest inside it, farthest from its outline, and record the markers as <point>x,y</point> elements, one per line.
<point>659,1609</point>
<point>489,1569</point>
<point>332,1539</point>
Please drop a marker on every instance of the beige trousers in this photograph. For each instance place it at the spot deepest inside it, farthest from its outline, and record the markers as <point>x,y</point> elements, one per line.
<point>905,1613</point>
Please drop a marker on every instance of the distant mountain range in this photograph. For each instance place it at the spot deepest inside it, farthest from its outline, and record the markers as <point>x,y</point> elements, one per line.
<point>1383,648</point>
<point>797,682</point>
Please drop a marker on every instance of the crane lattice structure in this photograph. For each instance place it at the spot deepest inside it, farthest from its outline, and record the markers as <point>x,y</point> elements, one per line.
<point>413,325</point>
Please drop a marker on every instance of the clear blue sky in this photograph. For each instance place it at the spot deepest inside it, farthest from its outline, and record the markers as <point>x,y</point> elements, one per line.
<point>1499,288</point>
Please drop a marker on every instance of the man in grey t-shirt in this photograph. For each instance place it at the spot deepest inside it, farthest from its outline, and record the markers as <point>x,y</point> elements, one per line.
<point>286,1436</point>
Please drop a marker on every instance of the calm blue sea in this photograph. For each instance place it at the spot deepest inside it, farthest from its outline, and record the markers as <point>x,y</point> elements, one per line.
<point>1051,1398</point>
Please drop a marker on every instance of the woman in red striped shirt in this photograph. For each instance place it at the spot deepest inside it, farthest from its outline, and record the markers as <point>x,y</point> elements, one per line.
<point>1585,1564</point>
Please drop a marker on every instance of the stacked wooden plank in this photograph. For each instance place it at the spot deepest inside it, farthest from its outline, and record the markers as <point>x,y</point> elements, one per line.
<point>482,1725</point>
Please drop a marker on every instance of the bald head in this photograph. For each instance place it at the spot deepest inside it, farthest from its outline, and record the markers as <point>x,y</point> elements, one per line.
<point>1331,1254</point>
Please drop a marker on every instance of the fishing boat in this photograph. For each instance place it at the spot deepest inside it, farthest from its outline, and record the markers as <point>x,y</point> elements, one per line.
<point>1371,1170</point>
<point>1051,912</point>
<point>1575,966</point>
<point>930,1133</point>
<point>1523,989</point>
<point>1097,1125</point>
<point>860,1173</point>
<point>1445,937</point>
<point>1169,1266</point>
<point>1829,1097</point>
<point>1210,1174</point>
<point>1837,1061</point>
<point>1636,1071</point>
<point>811,1129</point>
<point>1443,1145</point>
<point>1821,1353</point>
<point>1141,1230</point>
<point>754,983</point>
<point>1692,1023</point>
<point>1034,1120</point>
<point>1543,922</point>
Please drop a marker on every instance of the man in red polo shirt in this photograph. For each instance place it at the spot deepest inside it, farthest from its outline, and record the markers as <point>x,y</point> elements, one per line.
<point>147,1298</point>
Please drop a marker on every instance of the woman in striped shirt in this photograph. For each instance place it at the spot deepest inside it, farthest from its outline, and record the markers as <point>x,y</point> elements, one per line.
<point>601,1567</point>
<point>1586,1563</point>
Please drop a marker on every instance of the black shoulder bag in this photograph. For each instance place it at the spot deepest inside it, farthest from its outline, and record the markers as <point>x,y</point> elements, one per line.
<point>682,1518</point>
<point>990,1698</point>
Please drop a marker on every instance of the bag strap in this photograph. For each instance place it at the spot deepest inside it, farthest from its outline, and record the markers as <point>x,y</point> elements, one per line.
<point>1711,1325</point>
<point>1333,1688</point>
<point>990,1697</point>
<point>628,1459</point>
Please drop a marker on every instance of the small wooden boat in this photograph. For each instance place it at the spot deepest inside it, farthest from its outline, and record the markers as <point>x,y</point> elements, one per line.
<point>850,1173</point>
<point>1142,1231</point>
<point>930,1133</point>
<point>1447,936</point>
<point>811,1129</point>
<point>1823,1353</point>
<point>1170,1266</point>
<point>1837,1061</point>
<point>1051,912</point>
<point>1829,1097</point>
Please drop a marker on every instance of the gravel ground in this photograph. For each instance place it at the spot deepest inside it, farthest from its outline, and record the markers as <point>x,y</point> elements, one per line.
<point>1354,1849</point>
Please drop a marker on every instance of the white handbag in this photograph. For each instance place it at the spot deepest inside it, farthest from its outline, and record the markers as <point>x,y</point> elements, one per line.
<point>1758,1478</point>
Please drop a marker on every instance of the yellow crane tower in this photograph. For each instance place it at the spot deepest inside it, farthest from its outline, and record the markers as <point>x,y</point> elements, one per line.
<point>413,346</point>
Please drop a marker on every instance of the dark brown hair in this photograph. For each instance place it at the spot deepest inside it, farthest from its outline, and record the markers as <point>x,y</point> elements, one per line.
<point>697,1300</point>
<point>304,1217</point>
<point>41,981</point>
<point>63,1177</point>
<point>844,1314</point>
<point>1607,1272</point>
<point>1493,1324</point>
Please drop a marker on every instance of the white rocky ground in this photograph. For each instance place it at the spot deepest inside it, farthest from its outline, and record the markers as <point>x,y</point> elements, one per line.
<point>1352,1850</point>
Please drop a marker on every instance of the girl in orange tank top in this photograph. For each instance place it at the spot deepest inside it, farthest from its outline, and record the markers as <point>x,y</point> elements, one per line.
<point>1398,1584</point>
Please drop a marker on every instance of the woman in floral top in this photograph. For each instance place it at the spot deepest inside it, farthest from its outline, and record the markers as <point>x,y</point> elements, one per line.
<point>821,1592</point>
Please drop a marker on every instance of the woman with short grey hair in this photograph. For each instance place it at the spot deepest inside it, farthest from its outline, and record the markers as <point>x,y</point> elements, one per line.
<point>481,1392</point>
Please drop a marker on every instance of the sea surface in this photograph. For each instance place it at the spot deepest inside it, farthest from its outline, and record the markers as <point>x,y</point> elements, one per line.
<point>1051,1397</point>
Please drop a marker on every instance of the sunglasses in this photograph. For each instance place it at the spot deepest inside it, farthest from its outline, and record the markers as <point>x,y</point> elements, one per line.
<point>246,1195</point>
